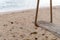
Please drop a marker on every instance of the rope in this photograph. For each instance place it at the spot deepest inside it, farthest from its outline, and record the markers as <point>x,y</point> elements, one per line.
<point>37,12</point>
<point>36,16</point>
<point>51,18</point>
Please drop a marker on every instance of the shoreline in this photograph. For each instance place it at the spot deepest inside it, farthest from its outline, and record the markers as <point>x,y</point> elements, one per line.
<point>19,10</point>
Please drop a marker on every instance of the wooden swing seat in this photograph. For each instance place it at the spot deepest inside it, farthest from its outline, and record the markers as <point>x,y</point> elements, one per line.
<point>50,27</point>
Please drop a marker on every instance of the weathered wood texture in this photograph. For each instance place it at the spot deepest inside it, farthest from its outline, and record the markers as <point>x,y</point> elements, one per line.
<point>50,27</point>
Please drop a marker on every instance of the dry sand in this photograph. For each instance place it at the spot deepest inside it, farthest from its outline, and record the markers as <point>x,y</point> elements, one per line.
<point>20,25</point>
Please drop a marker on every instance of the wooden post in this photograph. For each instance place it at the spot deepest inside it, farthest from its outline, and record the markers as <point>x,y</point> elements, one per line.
<point>37,12</point>
<point>51,18</point>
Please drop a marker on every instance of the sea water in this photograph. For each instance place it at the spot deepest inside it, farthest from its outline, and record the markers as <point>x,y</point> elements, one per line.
<point>11,5</point>
<point>8,5</point>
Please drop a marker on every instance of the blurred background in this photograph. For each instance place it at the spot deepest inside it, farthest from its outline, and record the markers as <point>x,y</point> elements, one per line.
<point>9,5</point>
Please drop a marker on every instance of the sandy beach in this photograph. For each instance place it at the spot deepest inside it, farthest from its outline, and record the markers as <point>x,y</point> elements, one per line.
<point>19,25</point>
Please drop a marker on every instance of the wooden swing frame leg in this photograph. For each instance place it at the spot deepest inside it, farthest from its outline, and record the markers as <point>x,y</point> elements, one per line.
<point>51,18</point>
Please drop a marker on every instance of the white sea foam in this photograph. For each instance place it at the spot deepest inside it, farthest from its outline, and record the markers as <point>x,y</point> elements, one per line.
<point>9,5</point>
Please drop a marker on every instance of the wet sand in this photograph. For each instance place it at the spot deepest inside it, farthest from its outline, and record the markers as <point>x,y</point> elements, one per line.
<point>20,25</point>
